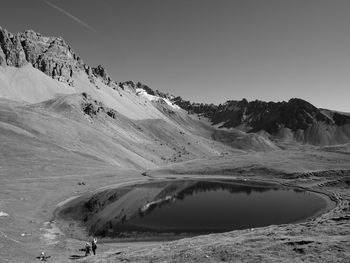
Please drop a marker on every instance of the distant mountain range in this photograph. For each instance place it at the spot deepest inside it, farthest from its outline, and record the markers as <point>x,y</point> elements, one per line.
<point>296,114</point>
<point>22,54</point>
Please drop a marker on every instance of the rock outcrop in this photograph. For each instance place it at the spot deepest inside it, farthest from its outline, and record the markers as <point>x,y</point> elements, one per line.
<point>11,50</point>
<point>51,55</point>
<point>100,72</point>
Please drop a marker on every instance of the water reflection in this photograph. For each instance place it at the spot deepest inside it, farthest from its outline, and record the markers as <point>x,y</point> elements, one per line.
<point>201,187</point>
<point>206,186</point>
<point>197,207</point>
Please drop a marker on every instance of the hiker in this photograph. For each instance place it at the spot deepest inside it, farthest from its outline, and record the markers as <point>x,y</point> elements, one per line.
<point>94,245</point>
<point>42,257</point>
<point>87,249</point>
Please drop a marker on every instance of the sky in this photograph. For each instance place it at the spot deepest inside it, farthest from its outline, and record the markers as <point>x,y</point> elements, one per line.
<point>206,50</point>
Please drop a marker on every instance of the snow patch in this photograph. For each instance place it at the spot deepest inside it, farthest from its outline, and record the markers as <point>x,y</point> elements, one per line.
<point>3,214</point>
<point>143,93</point>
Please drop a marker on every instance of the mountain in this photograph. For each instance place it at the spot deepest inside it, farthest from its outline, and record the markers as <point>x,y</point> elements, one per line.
<point>296,118</point>
<point>70,134</point>
<point>46,72</point>
<point>51,55</point>
<point>26,56</point>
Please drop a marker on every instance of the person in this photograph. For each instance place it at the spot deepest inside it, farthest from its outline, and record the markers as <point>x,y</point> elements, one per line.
<point>87,249</point>
<point>43,257</point>
<point>94,245</point>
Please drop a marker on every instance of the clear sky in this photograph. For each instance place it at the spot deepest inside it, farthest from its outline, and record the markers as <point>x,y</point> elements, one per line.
<point>206,50</point>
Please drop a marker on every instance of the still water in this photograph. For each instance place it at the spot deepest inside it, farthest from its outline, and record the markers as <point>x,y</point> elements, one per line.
<point>196,206</point>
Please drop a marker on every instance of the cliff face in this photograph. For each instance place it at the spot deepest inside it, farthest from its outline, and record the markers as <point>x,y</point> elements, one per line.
<point>51,55</point>
<point>11,49</point>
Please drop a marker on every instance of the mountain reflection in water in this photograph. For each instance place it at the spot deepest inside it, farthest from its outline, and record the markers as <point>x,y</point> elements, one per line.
<point>198,207</point>
<point>191,207</point>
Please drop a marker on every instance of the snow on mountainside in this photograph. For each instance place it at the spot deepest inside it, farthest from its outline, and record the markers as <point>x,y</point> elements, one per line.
<point>25,56</point>
<point>35,68</point>
<point>150,97</point>
<point>63,109</point>
<point>31,85</point>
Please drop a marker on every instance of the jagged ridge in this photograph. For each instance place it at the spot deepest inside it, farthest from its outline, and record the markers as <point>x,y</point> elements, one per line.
<point>51,55</point>
<point>54,57</point>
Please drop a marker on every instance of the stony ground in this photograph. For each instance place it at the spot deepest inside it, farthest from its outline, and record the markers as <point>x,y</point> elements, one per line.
<point>28,202</point>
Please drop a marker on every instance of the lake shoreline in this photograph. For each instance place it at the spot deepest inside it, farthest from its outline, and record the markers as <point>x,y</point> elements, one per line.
<point>70,226</point>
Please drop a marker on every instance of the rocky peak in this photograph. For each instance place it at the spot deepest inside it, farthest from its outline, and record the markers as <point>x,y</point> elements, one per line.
<point>253,116</point>
<point>269,116</point>
<point>51,55</point>
<point>127,84</point>
<point>11,50</point>
<point>101,72</point>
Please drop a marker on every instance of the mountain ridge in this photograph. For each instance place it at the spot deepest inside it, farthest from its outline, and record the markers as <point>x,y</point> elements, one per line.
<point>297,118</point>
<point>51,55</point>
